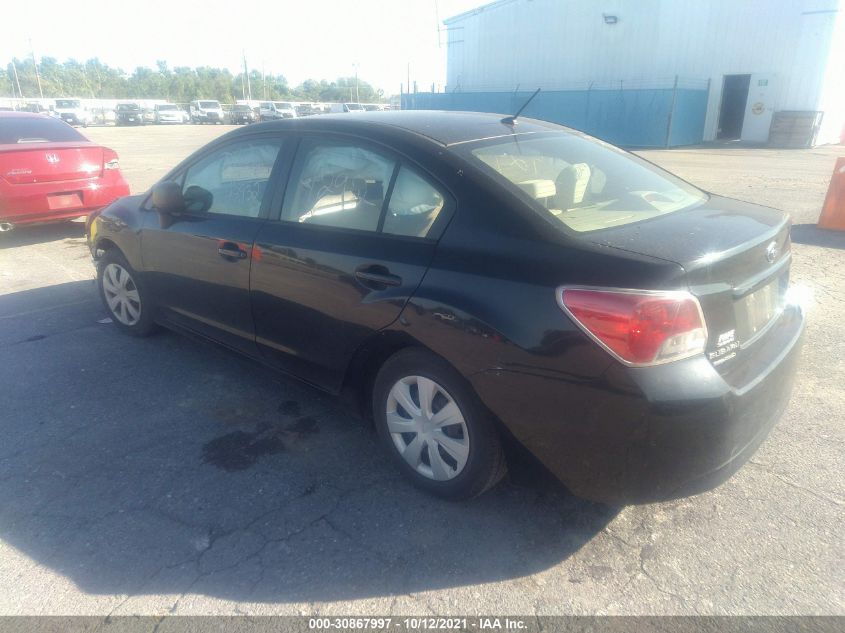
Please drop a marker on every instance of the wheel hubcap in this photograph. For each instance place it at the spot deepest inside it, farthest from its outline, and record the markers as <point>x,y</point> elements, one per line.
<point>121,294</point>
<point>427,428</point>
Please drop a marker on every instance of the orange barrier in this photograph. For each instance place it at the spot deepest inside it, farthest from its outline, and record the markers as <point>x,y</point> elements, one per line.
<point>833,211</point>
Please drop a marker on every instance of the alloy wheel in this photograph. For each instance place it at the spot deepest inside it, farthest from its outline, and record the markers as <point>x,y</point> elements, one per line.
<point>427,428</point>
<point>121,294</point>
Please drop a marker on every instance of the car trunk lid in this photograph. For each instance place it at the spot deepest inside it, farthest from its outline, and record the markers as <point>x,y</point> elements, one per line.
<point>28,163</point>
<point>736,256</point>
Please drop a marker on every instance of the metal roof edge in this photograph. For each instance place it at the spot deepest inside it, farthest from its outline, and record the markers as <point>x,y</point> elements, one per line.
<point>482,8</point>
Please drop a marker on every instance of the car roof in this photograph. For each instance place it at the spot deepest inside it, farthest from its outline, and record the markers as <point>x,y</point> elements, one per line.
<point>20,115</point>
<point>445,128</point>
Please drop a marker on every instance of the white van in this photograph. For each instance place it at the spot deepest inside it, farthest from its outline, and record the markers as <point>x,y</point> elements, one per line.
<point>206,111</point>
<point>346,107</point>
<point>272,110</point>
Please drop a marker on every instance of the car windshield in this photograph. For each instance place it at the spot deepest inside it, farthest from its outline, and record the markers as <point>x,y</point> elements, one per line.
<point>241,108</point>
<point>67,103</point>
<point>209,105</point>
<point>283,106</point>
<point>583,183</point>
<point>128,107</point>
<point>353,106</point>
<point>36,130</point>
<point>167,107</point>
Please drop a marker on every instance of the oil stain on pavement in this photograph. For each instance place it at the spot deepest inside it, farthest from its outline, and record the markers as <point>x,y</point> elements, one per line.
<point>239,450</point>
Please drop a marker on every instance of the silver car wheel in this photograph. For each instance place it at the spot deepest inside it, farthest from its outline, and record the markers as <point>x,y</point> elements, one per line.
<point>121,294</point>
<point>427,428</point>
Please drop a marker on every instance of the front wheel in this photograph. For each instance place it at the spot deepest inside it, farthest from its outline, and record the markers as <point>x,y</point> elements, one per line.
<point>434,426</point>
<point>124,295</point>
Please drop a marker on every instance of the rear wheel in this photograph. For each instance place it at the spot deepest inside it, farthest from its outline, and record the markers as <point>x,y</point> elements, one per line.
<point>432,423</point>
<point>124,295</point>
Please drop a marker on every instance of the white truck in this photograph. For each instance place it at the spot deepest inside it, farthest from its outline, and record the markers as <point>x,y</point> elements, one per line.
<point>206,111</point>
<point>73,112</point>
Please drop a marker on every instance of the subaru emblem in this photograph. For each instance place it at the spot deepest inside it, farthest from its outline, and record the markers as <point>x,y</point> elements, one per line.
<point>772,252</point>
<point>52,158</point>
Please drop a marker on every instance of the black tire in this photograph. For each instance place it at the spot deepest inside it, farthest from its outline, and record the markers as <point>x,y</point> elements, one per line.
<point>144,325</point>
<point>485,466</point>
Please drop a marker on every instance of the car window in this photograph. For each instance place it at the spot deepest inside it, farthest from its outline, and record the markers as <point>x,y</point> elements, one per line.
<point>338,184</point>
<point>231,180</point>
<point>37,130</point>
<point>414,205</point>
<point>585,184</point>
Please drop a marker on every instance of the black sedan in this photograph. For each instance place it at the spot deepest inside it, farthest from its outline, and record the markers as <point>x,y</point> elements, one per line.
<point>477,281</point>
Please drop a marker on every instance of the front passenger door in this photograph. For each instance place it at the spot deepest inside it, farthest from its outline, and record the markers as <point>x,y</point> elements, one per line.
<point>198,262</point>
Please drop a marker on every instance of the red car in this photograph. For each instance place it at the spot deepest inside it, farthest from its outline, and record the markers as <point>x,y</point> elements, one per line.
<point>50,172</point>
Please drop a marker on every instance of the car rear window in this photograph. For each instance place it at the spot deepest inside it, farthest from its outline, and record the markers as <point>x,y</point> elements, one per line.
<point>583,183</point>
<point>209,104</point>
<point>37,130</point>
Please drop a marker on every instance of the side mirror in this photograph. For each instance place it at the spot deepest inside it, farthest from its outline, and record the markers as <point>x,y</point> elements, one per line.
<point>167,197</point>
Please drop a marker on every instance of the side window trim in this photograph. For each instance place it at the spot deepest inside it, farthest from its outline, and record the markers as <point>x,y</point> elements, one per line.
<point>387,195</point>
<point>281,181</point>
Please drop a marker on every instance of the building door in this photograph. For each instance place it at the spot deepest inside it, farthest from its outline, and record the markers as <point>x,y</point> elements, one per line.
<point>732,112</point>
<point>759,108</point>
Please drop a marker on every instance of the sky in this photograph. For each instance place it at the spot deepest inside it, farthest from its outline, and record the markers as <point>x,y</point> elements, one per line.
<point>300,39</point>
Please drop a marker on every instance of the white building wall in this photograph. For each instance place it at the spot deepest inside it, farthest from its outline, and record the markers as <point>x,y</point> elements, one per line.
<point>560,44</point>
<point>832,101</point>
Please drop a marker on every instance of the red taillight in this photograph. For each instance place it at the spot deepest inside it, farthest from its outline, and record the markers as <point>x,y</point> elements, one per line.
<point>110,159</point>
<point>639,327</point>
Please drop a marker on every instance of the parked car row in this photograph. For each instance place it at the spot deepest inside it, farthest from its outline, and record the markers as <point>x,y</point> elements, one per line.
<point>80,113</point>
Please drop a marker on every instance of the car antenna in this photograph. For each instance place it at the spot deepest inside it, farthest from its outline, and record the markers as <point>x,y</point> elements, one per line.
<point>511,120</point>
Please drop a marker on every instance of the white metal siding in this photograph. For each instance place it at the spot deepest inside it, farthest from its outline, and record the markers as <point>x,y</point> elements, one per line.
<point>566,44</point>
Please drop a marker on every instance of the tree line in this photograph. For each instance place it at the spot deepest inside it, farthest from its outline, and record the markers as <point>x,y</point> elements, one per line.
<point>96,80</point>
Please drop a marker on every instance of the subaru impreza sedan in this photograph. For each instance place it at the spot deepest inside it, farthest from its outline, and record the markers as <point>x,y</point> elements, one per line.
<point>477,281</point>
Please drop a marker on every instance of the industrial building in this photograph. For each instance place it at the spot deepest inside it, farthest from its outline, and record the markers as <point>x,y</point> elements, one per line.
<point>656,72</point>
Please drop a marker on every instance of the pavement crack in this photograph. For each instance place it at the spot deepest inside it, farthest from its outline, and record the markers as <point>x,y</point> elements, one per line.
<point>792,484</point>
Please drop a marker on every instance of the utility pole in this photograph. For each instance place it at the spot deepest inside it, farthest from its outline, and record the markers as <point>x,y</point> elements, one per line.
<point>263,81</point>
<point>357,96</point>
<point>35,62</point>
<point>17,81</point>
<point>246,72</point>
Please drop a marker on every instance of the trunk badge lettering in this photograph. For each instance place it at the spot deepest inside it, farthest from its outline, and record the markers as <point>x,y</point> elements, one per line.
<point>772,252</point>
<point>725,338</point>
<point>726,346</point>
<point>52,158</point>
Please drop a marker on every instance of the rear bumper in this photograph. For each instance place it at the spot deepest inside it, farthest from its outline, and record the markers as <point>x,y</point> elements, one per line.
<point>29,204</point>
<point>641,435</point>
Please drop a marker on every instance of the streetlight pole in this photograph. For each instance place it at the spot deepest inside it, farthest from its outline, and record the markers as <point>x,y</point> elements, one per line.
<point>35,63</point>
<point>357,96</point>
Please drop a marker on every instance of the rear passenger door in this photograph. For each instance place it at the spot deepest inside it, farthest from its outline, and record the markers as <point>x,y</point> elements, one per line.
<point>354,237</point>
